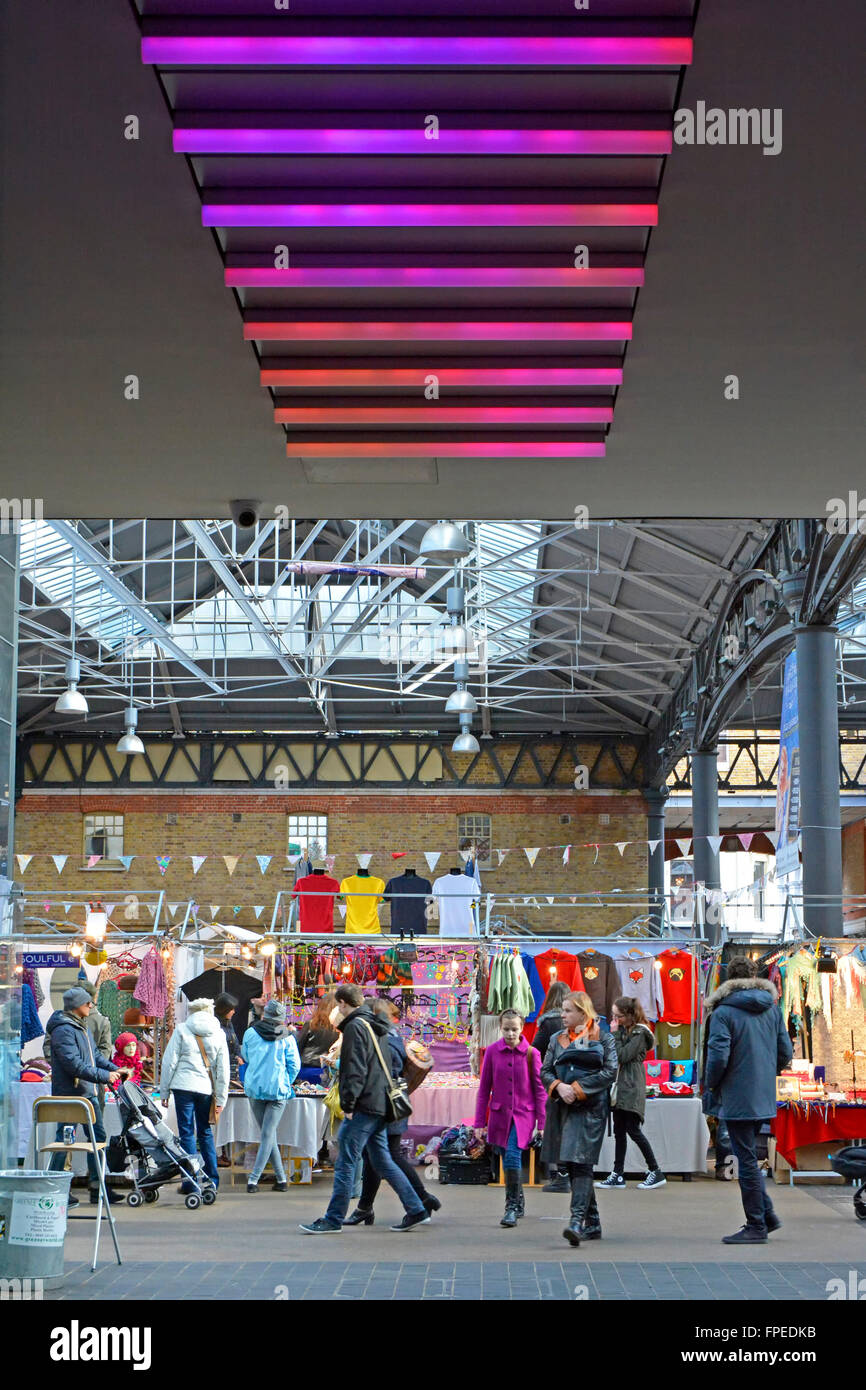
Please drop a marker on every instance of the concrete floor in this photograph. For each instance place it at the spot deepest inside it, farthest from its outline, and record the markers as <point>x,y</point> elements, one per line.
<point>657,1244</point>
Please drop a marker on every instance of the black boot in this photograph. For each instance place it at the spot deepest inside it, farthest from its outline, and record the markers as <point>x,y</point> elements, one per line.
<point>556,1181</point>
<point>581,1192</point>
<point>512,1199</point>
<point>591,1228</point>
<point>521,1199</point>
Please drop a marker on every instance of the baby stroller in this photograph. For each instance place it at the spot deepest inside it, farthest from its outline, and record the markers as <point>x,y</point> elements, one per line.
<point>851,1163</point>
<point>148,1151</point>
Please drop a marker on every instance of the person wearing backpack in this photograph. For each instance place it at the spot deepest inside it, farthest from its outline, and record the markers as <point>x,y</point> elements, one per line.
<point>633,1038</point>
<point>195,1070</point>
<point>273,1062</point>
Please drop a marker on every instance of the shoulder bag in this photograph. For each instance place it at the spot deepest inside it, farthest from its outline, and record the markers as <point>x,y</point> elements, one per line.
<point>212,1115</point>
<point>398,1105</point>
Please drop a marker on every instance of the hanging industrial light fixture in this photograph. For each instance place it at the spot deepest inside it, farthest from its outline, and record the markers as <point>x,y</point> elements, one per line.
<point>460,701</point>
<point>444,542</point>
<point>130,742</point>
<point>466,742</point>
<point>72,701</point>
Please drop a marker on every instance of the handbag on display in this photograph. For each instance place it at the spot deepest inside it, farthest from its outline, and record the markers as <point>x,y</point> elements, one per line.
<point>398,1105</point>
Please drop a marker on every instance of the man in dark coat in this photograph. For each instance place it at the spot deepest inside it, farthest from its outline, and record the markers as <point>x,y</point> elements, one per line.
<point>364,1085</point>
<point>76,1070</point>
<point>747,1045</point>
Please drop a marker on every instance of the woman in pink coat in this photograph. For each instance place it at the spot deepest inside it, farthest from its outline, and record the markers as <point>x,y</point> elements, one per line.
<point>511,1105</point>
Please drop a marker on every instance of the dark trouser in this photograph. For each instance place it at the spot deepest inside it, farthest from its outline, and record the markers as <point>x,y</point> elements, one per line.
<point>627,1125</point>
<point>744,1138</point>
<point>192,1109</point>
<point>359,1133</point>
<point>372,1180</point>
<point>58,1160</point>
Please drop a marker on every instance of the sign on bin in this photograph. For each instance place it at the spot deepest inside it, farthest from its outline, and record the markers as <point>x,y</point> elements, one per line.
<point>37,1221</point>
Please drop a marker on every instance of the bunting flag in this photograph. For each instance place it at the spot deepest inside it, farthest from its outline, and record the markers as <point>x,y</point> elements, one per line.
<point>93,860</point>
<point>574,900</point>
<point>746,839</point>
<point>330,861</point>
<point>531,854</point>
<point>621,846</point>
<point>293,859</point>
<point>683,846</point>
<point>465,855</point>
<point>235,911</point>
<point>364,860</point>
<point>214,909</point>
<point>23,861</point>
<point>549,897</point>
<point>163,860</point>
<point>172,908</point>
<point>263,860</point>
<point>714,842</point>
<point>126,860</point>
<point>653,845</point>
<point>151,907</point>
<point>47,906</point>
<point>258,911</point>
<point>59,861</point>
<point>197,861</point>
<point>398,854</point>
<point>596,848</point>
<point>566,854</point>
<point>773,836</point>
<point>66,907</point>
<point>341,908</point>
<point>433,856</point>
<point>500,852</point>
<point>231,862</point>
<point>109,908</point>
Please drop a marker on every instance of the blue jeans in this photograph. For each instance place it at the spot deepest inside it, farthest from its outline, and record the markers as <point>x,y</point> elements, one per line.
<point>193,1120</point>
<point>58,1160</point>
<point>756,1203</point>
<point>510,1154</point>
<point>368,1132</point>
<point>268,1114</point>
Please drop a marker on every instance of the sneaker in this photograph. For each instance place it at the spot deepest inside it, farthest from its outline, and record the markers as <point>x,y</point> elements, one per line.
<point>558,1184</point>
<point>654,1179</point>
<point>73,1202</point>
<point>747,1235</point>
<point>612,1180</point>
<point>417,1218</point>
<point>252,1187</point>
<point>321,1227</point>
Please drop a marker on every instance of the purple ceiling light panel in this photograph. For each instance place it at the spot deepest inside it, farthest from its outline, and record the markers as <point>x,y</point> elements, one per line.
<point>434,415</point>
<point>511,331</point>
<point>536,377</point>
<point>450,142</point>
<point>535,448</point>
<point>429,214</point>
<point>411,277</point>
<point>424,51</point>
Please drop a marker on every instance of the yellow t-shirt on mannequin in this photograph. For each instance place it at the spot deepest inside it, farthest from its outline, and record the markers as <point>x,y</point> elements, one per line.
<point>362,913</point>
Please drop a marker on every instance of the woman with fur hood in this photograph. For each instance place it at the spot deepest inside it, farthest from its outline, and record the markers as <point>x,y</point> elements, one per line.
<point>634,1039</point>
<point>195,1070</point>
<point>746,1045</point>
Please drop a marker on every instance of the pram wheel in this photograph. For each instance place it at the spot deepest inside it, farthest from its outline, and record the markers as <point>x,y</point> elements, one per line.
<point>208,1197</point>
<point>134,1199</point>
<point>192,1201</point>
<point>152,1195</point>
<point>860,1203</point>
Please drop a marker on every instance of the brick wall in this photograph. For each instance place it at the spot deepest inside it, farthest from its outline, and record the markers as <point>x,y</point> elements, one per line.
<point>854,867</point>
<point>377,821</point>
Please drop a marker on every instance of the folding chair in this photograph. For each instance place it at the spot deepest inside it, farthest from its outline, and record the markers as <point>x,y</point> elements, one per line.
<point>76,1110</point>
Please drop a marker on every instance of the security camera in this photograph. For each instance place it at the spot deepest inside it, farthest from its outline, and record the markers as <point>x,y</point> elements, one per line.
<point>245,513</point>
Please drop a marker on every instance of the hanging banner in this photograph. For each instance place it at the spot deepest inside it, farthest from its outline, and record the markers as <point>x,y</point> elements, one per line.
<point>59,861</point>
<point>715,842</point>
<point>172,908</point>
<point>231,862</point>
<point>341,908</point>
<point>163,860</point>
<point>126,860</point>
<point>42,960</point>
<point>330,861</point>
<point>501,854</point>
<point>214,909</point>
<point>684,846</point>
<point>364,860</point>
<point>621,846</point>
<point>746,840</point>
<point>788,778</point>
<point>258,911</point>
<point>653,845</point>
<point>531,854</point>
<point>566,854</point>
<point>433,857</point>
<point>197,861</point>
<point>23,861</point>
<point>93,860</point>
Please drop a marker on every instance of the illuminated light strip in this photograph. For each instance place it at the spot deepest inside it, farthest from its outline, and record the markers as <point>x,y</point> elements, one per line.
<point>411,277</point>
<point>436,415</point>
<point>388,51</point>
<point>346,377</point>
<point>445,449</point>
<point>286,332</point>
<point>269,140</point>
<point>429,214</point>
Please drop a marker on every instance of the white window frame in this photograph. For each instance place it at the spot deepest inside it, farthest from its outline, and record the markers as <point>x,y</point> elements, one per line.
<point>315,831</point>
<point>468,830</point>
<point>108,861</point>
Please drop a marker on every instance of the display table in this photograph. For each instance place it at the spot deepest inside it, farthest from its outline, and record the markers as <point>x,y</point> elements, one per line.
<point>301,1129</point>
<point>796,1126</point>
<point>438,1107</point>
<point>677,1129</point>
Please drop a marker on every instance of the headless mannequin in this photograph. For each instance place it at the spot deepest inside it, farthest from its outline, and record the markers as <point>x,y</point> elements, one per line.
<point>455,871</point>
<point>363,873</point>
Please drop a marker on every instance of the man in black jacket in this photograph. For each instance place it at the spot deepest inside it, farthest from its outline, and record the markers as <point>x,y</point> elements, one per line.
<point>364,1086</point>
<point>76,1070</point>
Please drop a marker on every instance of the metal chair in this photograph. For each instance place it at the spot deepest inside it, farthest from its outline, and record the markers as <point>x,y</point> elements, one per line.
<point>76,1110</point>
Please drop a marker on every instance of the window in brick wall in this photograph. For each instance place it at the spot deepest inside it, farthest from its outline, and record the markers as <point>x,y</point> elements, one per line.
<point>477,829</point>
<point>104,835</point>
<point>311,831</point>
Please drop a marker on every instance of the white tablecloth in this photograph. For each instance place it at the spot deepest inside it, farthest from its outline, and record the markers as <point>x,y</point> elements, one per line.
<point>677,1129</point>
<point>302,1127</point>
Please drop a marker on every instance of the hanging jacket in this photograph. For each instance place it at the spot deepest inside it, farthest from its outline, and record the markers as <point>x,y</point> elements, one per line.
<point>746,1045</point>
<point>271,1066</point>
<point>510,1092</point>
<point>30,1025</point>
<point>183,1067</point>
<point>151,991</point>
<point>631,1051</point>
<point>76,1066</point>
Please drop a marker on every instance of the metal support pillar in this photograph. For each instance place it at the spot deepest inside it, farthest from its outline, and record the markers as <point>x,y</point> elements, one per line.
<point>655,798</point>
<point>10,1035</point>
<point>819,780</point>
<point>705,822</point>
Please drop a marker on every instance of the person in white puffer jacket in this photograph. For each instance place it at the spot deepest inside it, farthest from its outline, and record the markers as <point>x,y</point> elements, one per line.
<point>195,1070</point>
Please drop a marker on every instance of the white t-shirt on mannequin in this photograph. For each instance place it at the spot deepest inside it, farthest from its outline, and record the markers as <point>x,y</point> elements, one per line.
<point>455,894</point>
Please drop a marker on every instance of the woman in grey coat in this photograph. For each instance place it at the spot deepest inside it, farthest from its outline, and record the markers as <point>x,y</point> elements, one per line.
<point>579,1069</point>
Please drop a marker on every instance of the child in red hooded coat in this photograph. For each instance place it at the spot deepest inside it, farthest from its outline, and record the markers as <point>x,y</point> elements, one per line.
<point>128,1057</point>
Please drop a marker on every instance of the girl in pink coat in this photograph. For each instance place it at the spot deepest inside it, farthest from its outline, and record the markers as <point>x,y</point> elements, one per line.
<point>511,1105</point>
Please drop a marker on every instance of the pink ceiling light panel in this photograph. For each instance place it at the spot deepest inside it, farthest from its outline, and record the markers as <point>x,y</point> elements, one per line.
<point>436,415</point>
<point>269,140</point>
<point>445,449</point>
<point>409,332</point>
<point>538,377</point>
<point>384,50</point>
<point>429,214</point>
<point>410,277</point>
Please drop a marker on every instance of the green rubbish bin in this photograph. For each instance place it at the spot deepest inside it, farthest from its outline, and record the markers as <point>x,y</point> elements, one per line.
<point>33,1206</point>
